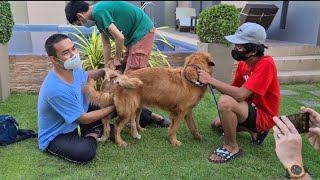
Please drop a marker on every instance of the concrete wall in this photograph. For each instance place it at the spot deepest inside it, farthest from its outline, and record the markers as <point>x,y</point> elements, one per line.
<point>46,12</point>
<point>20,12</point>
<point>205,5</point>
<point>39,12</point>
<point>302,24</point>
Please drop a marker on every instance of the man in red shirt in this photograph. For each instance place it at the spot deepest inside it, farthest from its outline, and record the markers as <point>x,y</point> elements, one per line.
<point>254,96</point>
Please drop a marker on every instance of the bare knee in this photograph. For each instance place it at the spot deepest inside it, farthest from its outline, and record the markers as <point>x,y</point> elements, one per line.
<point>225,103</point>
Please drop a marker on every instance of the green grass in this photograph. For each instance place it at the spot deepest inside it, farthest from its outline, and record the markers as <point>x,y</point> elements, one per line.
<point>153,157</point>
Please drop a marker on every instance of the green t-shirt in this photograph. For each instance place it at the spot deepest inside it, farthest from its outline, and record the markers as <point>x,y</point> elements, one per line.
<point>128,18</point>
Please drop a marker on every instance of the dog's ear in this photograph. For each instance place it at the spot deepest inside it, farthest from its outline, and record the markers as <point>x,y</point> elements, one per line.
<point>209,59</point>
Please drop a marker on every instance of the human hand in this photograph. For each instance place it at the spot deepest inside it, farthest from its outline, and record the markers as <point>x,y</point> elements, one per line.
<point>288,142</point>
<point>314,131</point>
<point>110,73</point>
<point>204,77</point>
<point>116,62</point>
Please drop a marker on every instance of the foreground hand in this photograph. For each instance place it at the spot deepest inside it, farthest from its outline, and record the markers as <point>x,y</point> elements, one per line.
<point>314,131</point>
<point>288,142</point>
<point>109,73</point>
<point>204,77</point>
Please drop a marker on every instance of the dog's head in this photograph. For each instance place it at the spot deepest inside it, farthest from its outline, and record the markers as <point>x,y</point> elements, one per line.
<point>201,59</point>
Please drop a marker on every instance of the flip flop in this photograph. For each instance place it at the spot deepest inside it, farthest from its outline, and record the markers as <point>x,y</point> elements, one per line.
<point>227,155</point>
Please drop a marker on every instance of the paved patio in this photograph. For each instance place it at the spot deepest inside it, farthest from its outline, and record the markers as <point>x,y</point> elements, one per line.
<point>193,38</point>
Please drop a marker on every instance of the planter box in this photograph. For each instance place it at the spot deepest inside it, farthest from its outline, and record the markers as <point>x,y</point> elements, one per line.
<point>4,73</point>
<point>224,63</point>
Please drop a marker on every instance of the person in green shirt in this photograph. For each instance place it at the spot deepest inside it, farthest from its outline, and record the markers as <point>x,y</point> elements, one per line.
<point>120,21</point>
<point>128,26</point>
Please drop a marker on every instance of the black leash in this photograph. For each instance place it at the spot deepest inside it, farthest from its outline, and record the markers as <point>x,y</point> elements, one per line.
<point>215,100</point>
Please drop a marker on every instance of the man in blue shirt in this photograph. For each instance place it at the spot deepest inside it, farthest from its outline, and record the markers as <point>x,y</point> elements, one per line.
<point>62,106</point>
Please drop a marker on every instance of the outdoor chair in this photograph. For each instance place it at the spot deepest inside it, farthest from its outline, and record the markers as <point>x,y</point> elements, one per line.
<point>183,18</point>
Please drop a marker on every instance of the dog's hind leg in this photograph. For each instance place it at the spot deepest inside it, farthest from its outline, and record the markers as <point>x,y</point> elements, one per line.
<point>121,121</point>
<point>133,124</point>
<point>192,126</point>
<point>138,120</point>
<point>106,129</point>
<point>174,126</point>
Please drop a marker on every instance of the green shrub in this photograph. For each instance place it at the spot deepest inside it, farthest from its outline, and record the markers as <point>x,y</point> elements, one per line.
<point>6,22</point>
<point>216,22</point>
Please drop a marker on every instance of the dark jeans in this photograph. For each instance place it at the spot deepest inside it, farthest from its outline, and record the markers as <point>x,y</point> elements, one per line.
<point>73,148</point>
<point>79,149</point>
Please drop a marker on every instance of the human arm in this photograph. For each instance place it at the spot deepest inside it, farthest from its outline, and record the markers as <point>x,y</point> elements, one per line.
<point>119,41</point>
<point>106,48</point>
<point>288,143</point>
<point>314,131</point>
<point>93,116</point>
<point>238,93</point>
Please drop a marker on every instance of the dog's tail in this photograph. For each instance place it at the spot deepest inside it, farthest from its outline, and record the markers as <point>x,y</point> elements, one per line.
<point>129,83</point>
<point>101,99</point>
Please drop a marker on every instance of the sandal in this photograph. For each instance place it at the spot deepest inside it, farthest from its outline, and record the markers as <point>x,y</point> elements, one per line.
<point>260,138</point>
<point>227,155</point>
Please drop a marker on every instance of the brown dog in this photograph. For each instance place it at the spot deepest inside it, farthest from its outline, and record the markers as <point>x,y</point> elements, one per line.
<point>171,89</point>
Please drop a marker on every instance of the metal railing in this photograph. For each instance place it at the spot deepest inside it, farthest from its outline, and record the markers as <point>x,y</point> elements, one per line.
<point>150,13</point>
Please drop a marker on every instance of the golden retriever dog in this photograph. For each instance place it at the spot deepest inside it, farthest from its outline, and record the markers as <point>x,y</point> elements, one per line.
<point>175,90</point>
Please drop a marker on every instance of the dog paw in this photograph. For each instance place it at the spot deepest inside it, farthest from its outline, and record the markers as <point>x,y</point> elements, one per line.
<point>103,139</point>
<point>122,144</point>
<point>176,143</point>
<point>141,129</point>
<point>197,137</point>
<point>137,136</point>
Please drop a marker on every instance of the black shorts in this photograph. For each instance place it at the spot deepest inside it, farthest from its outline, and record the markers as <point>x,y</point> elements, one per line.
<point>250,122</point>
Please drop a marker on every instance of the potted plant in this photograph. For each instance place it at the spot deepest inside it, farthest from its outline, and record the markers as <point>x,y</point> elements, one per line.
<point>6,27</point>
<point>215,23</point>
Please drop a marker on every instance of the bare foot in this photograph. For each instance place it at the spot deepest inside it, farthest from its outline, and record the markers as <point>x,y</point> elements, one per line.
<point>116,62</point>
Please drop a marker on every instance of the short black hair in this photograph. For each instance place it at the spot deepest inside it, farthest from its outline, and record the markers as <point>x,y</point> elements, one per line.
<point>74,7</point>
<point>51,41</point>
<point>255,48</point>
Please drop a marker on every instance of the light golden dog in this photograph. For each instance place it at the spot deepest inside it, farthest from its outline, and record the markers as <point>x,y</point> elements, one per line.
<point>171,89</point>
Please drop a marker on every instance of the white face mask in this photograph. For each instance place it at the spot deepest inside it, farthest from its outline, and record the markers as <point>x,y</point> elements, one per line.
<point>73,63</point>
<point>89,23</point>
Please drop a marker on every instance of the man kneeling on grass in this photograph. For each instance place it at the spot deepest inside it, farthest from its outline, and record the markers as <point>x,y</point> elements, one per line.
<point>253,98</point>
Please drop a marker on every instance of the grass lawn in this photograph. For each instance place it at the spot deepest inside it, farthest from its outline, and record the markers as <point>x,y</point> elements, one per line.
<point>153,157</point>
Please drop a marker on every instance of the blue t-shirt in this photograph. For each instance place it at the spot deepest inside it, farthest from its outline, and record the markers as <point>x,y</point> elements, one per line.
<point>60,105</point>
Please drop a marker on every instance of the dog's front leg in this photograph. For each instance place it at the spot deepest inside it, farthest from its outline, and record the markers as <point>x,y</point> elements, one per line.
<point>192,126</point>
<point>174,126</point>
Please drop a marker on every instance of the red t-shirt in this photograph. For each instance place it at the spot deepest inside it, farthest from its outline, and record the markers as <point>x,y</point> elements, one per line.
<point>262,80</point>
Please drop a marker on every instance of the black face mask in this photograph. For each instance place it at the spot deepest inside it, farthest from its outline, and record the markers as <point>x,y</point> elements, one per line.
<point>239,55</point>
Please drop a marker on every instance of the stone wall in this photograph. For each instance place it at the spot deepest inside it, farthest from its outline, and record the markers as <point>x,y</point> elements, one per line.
<point>27,72</point>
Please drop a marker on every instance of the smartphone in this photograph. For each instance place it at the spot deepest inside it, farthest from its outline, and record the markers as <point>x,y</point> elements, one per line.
<point>300,121</point>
